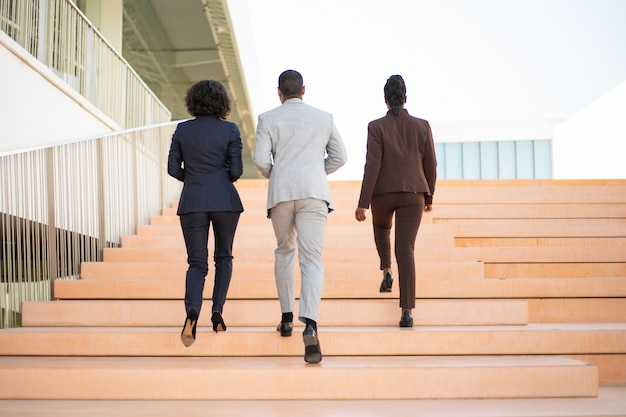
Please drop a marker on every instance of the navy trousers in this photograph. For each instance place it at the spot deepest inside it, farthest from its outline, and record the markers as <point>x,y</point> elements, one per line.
<point>196,233</point>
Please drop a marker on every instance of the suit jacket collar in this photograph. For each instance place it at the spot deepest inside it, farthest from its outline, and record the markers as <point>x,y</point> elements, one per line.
<point>293,100</point>
<point>403,111</point>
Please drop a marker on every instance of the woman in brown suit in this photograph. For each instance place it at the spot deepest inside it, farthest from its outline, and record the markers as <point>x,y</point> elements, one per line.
<point>399,178</point>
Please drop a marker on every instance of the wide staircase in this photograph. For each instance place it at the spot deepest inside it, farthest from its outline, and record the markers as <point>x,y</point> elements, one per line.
<point>521,311</point>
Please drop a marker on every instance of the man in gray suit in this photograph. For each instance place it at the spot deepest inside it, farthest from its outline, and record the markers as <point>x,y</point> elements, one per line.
<point>297,146</point>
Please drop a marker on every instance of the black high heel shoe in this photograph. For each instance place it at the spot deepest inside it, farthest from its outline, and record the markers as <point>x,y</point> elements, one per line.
<point>385,285</point>
<point>218,322</point>
<point>188,334</point>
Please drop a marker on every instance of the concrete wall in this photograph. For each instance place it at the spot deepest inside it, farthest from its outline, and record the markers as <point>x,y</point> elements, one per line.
<point>38,109</point>
<point>592,143</point>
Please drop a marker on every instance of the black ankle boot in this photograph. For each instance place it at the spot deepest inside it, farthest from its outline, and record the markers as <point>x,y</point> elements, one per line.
<point>406,320</point>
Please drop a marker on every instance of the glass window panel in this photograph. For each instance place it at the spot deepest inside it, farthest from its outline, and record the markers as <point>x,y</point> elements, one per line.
<point>471,161</point>
<point>524,159</point>
<point>489,160</point>
<point>454,161</point>
<point>440,153</point>
<point>506,160</point>
<point>543,159</point>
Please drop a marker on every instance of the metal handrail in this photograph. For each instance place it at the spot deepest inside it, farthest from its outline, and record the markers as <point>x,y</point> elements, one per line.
<point>59,35</point>
<point>61,206</point>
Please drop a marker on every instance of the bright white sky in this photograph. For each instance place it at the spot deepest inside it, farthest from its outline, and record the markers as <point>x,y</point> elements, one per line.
<point>462,60</point>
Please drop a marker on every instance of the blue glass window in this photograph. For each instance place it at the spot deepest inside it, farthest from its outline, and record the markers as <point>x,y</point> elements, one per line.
<point>489,160</point>
<point>526,159</point>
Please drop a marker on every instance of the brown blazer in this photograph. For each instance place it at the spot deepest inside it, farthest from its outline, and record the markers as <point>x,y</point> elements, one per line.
<point>400,157</point>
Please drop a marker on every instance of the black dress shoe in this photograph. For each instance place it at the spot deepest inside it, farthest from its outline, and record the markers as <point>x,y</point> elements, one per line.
<point>312,351</point>
<point>385,285</point>
<point>406,320</point>
<point>285,327</point>
<point>188,335</point>
<point>218,322</point>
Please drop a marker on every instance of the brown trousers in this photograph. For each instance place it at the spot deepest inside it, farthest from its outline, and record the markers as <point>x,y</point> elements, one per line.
<point>408,209</point>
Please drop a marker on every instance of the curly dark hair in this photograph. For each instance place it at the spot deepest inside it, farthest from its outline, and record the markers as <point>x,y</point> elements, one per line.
<point>208,98</point>
<point>395,93</point>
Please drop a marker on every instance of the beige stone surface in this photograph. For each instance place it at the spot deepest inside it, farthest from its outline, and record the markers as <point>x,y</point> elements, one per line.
<point>611,401</point>
<point>198,378</point>
<point>521,293</point>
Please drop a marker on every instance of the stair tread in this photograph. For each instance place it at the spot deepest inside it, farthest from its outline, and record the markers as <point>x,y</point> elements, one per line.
<point>281,362</point>
<point>531,327</point>
<point>275,377</point>
<point>610,402</point>
<point>173,287</point>
<point>465,228</point>
<point>265,269</point>
<point>552,254</point>
<point>264,312</point>
<point>483,328</point>
<point>545,339</point>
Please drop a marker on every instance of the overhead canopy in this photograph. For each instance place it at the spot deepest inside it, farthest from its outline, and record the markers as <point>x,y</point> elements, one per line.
<point>172,44</point>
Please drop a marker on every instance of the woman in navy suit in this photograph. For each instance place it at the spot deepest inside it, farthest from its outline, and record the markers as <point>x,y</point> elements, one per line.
<point>205,155</point>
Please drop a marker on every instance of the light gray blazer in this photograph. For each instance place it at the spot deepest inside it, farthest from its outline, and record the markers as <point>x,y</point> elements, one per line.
<point>296,147</point>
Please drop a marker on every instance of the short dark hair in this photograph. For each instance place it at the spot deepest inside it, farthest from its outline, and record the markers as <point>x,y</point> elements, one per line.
<point>395,93</point>
<point>290,83</point>
<point>208,98</point>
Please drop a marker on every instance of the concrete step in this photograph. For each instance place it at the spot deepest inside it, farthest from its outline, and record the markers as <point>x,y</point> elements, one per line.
<point>610,402</point>
<point>289,378</point>
<point>258,218</point>
<point>579,310</point>
<point>454,311</point>
<point>539,242</point>
<point>529,210</point>
<point>481,210</point>
<point>172,287</point>
<point>534,339</point>
<point>422,241</point>
<point>544,193</point>
<point>265,270</point>
<point>481,191</point>
<point>579,254</point>
<point>267,313</point>
<point>518,228</point>
<point>264,229</point>
<point>533,274</point>
<point>459,228</point>
<point>471,230</point>
<point>369,270</point>
<point>557,222</point>
<point>573,269</point>
<point>262,241</point>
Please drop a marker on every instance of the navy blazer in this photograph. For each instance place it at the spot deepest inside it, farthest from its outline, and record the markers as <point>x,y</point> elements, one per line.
<point>205,155</point>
